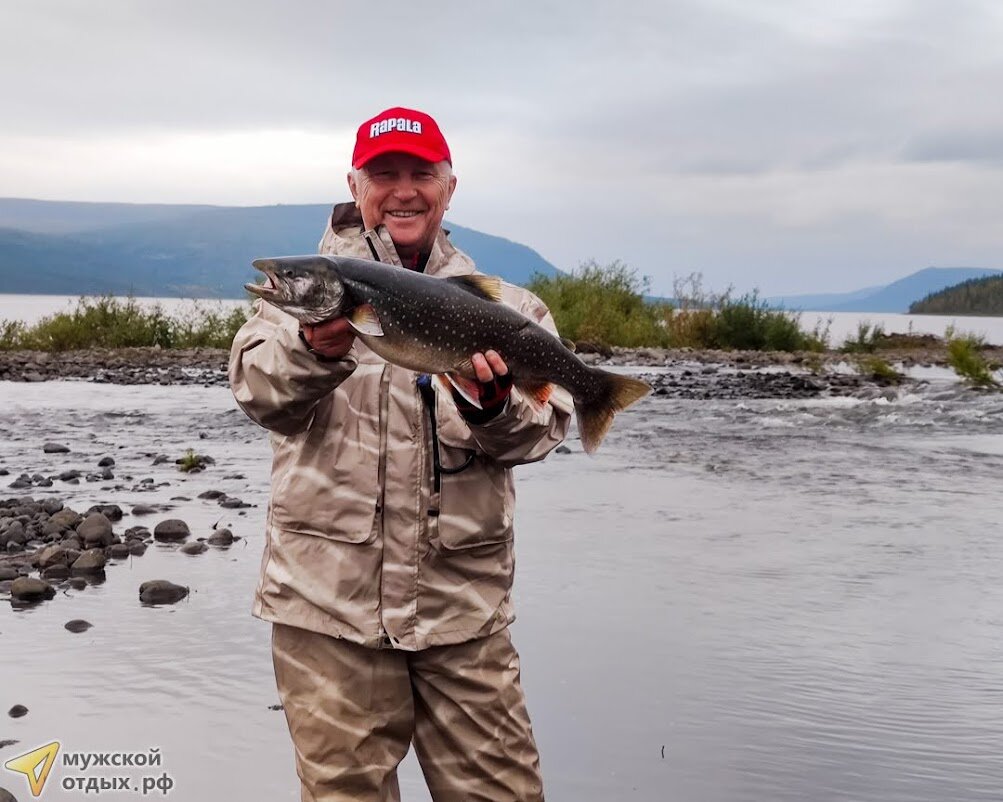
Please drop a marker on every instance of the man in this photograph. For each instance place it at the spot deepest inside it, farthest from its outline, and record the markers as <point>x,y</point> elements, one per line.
<point>389,558</point>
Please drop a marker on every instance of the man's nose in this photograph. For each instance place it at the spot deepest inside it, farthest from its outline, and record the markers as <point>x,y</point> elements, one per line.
<point>405,189</point>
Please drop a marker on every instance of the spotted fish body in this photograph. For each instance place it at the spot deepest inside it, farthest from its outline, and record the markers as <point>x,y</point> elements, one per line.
<point>434,325</point>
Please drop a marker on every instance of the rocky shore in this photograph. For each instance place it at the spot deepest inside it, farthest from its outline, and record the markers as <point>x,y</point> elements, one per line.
<point>687,372</point>
<point>683,373</point>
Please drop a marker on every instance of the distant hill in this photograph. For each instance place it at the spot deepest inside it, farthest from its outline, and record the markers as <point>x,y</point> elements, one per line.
<point>977,296</point>
<point>894,297</point>
<point>68,248</point>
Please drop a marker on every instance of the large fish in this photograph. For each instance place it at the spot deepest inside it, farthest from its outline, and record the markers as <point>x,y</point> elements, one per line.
<point>434,325</point>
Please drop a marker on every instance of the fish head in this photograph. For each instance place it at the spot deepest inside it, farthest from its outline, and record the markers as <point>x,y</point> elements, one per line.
<point>306,287</point>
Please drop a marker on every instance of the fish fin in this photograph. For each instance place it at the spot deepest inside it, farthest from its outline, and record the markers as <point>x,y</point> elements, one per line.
<point>595,415</point>
<point>365,320</point>
<point>487,287</point>
<point>467,388</point>
<point>536,393</point>
<point>569,344</point>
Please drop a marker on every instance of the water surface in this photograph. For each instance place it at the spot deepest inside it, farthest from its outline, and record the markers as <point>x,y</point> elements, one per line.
<point>756,600</point>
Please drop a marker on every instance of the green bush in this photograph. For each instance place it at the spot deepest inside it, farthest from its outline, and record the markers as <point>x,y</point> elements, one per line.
<point>964,354</point>
<point>109,322</point>
<point>867,339</point>
<point>603,304</point>
<point>606,304</point>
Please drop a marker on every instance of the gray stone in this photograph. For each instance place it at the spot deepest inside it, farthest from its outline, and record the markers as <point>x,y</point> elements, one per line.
<point>55,448</point>
<point>5,795</point>
<point>170,530</point>
<point>90,562</point>
<point>7,573</point>
<point>66,476</point>
<point>119,551</point>
<point>26,588</point>
<point>15,533</point>
<point>106,462</point>
<point>143,509</point>
<point>110,511</point>
<point>52,555</point>
<point>160,591</point>
<point>56,572</point>
<point>95,530</point>
<point>17,711</point>
<point>137,547</point>
<point>52,505</point>
<point>66,518</point>
<point>77,625</point>
<point>221,537</point>
<point>195,547</point>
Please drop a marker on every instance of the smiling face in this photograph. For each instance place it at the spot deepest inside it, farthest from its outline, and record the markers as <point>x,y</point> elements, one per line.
<point>406,194</point>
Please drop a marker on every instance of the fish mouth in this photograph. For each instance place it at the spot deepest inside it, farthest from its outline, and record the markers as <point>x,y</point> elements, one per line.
<point>267,291</point>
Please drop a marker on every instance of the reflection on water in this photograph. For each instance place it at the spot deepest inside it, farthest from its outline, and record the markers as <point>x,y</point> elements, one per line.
<point>732,601</point>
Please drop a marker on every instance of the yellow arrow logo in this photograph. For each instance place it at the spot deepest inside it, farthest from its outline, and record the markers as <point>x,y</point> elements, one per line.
<point>35,765</point>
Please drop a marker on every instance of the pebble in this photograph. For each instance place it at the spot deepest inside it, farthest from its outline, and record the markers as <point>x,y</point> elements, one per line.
<point>78,625</point>
<point>17,711</point>
<point>55,448</point>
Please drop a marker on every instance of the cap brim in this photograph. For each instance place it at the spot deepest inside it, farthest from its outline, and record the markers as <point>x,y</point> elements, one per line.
<point>428,154</point>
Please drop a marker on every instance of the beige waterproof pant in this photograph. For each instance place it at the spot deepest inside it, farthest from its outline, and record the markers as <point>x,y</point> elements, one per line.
<point>353,712</point>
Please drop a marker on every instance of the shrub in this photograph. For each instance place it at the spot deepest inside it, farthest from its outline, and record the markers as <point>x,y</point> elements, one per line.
<point>964,354</point>
<point>867,339</point>
<point>878,369</point>
<point>109,322</point>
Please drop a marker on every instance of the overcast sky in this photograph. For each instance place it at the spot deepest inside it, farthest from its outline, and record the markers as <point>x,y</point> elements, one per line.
<point>789,145</point>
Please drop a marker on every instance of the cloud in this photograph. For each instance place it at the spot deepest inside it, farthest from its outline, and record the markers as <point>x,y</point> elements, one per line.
<point>767,141</point>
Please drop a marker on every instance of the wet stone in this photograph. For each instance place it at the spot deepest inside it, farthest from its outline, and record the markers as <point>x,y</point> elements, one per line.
<point>143,509</point>
<point>56,572</point>
<point>160,591</point>
<point>106,462</point>
<point>119,551</point>
<point>77,625</point>
<point>7,573</point>
<point>221,537</point>
<point>171,530</point>
<point>26,588</point>
<point>90,562</point>
<point>195,547</point>
<point>95,529</point>
<point>18,711</point>
<point>55,448</point>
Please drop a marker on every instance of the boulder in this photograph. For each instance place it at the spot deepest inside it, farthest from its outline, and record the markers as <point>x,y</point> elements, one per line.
<point>26,588</point>
<point>171,530</point>
<point>95,530</point>
<point>160,591</point>
<point>91,561</point>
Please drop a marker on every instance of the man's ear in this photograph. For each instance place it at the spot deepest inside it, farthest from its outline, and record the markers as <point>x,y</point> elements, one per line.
<point>351,185</point>
<point>452,189</point>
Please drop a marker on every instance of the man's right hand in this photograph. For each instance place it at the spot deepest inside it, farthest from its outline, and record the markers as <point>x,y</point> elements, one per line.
<point>330,339</point>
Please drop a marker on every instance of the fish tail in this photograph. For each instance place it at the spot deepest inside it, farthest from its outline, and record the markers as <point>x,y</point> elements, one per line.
<point>595,415</point>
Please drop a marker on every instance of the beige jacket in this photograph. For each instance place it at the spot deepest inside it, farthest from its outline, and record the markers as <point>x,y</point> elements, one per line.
<point>360,543</point>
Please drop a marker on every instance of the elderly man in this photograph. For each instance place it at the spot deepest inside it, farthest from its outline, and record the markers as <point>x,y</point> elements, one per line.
<point>388,561</point>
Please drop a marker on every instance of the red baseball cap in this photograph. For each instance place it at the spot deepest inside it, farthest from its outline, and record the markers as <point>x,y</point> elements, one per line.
<point>399,130</point>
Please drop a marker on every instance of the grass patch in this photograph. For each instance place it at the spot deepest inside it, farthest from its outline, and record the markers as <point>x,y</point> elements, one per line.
<point>878,370</point>
<point>110,322</point>
<point>193,463</point>
<point>964,354</point>
<point>866,340</point>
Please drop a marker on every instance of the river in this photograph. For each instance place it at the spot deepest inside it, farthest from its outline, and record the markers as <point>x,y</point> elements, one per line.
<point>758,600</point>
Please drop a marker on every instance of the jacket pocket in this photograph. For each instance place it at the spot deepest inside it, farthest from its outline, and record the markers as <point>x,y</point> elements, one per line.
<point>325,480</point>
<point>475,505</point>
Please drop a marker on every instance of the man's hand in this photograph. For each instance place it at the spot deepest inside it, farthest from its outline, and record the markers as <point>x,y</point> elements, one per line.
<point>331,339</point>
<point>488,365</point>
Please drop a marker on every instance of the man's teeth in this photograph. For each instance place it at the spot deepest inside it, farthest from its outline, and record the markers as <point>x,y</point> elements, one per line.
<point>404,214</point>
